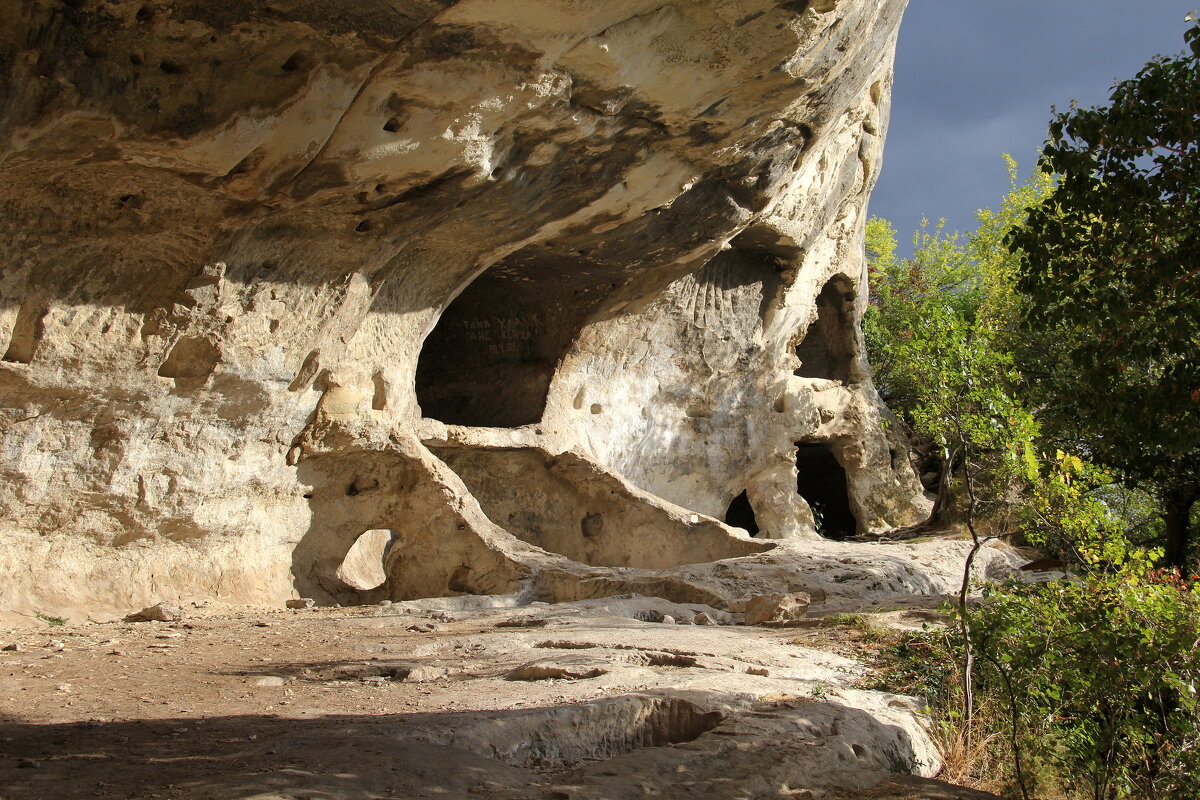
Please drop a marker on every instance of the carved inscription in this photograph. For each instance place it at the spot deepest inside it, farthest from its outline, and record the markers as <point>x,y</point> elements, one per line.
<point>506,338</point>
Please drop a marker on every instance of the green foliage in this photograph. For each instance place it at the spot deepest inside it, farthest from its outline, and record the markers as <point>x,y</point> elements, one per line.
<point>1074,513</point>
<point>1110,264</point>
<point>1100,676</point>
<point>1080,298</point>
<point>49,620</point>
<point>940,334</point>
<point>945,333</point>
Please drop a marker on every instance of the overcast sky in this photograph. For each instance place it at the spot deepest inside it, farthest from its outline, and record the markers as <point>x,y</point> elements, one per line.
<point>977,78</point>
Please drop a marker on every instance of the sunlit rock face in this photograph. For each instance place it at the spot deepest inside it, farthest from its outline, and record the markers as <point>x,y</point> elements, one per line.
<point>542,290</point>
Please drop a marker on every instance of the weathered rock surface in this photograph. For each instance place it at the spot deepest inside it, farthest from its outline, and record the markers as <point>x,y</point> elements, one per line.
<point>527,295</point>
<point>349,704</point>
<point>779,610</point>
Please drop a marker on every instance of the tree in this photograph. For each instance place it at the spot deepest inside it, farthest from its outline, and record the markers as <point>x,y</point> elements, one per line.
<point>936,333</point>
<point>942,339</point>
<point>1110,265</point>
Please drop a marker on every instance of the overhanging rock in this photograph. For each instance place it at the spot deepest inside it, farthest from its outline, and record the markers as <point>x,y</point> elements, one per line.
<point>277,275</point>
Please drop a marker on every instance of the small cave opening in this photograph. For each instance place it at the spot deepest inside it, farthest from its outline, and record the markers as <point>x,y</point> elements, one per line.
<point>827,349</point>
<point>362,567</point>
<point>822,482</point>
<point>490,359</point>
<point>740,514</point>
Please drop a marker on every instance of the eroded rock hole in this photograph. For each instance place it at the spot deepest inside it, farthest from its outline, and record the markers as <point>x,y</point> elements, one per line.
<point>740,514</point>
<point>569,734</point>
<point>363,566</point>
<point>490,359</point>
<point>822,482</point>
<point>26,334</point>
<point>191,357</point>
<point>308,370</point>
<point>297,61</point>
<point>827,349</point>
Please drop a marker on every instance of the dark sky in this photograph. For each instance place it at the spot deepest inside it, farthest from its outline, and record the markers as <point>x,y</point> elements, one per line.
<point>977,78</point>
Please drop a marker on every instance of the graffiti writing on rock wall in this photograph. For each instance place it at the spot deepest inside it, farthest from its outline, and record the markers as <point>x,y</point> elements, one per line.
<point>503,337</point>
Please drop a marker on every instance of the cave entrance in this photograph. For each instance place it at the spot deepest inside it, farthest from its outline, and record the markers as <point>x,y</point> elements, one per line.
<point>490,359</point>
<point>822,482</point>
<point>363,566</point>
<point>740,514</point>
<point>827,349</point>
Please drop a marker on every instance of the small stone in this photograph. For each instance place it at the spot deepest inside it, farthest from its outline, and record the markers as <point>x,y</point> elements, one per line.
<point>423,674</point>
<point>522,622</point>
<point>777,610</point>
<point>703,618</point>
<point>425,627</point>
<point>28,763</point>
<point>261,624</point>
<point>667,619</point>
<point>271,680</point>
<point>375,680</point>
<point>301,602</point>
<point>160,612</point>
<point>385,602</point>
<point>15,647</point>
<point>763,671</point>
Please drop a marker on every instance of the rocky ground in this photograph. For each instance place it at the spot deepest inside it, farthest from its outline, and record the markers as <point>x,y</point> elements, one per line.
<point>433,699</point>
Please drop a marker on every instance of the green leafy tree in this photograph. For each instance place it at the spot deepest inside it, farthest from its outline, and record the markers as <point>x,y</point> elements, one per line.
<point>942,339</point>
<point>937,334</point>
<point>943,334</point>
<point>1109,264</point>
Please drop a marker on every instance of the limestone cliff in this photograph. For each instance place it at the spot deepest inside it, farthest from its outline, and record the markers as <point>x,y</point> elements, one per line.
<point>535,291</point>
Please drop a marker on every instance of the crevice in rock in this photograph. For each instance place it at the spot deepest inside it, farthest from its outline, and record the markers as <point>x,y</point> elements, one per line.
<point>821,481</point>
<point>827,349</point>
<point>740,514</point>
<point>308,370</point>
<point>379,395</point>
<point>27,333</point>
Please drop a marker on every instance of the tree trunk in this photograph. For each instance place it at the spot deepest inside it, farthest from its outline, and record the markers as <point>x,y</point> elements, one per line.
<point>1177,513</point>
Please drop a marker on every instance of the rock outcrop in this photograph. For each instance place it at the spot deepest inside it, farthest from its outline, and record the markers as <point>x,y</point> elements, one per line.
<point>526,295</point>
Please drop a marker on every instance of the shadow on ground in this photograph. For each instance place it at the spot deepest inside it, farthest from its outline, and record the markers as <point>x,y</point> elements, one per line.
<point>356,757</point>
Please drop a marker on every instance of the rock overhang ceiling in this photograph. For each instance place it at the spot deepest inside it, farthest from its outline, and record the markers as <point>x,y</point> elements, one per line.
<point>538,287</point>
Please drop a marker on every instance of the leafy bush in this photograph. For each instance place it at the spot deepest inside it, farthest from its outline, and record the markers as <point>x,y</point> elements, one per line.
<point>1100,678</point>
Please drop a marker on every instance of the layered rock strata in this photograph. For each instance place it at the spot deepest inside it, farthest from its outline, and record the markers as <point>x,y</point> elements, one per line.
<point>531,295</point>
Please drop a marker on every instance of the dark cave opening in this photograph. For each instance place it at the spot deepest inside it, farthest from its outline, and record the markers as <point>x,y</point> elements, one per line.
<point>822,482</point>
<point>491,357</point>
<point>827,349</point>
<point>740,514</point>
